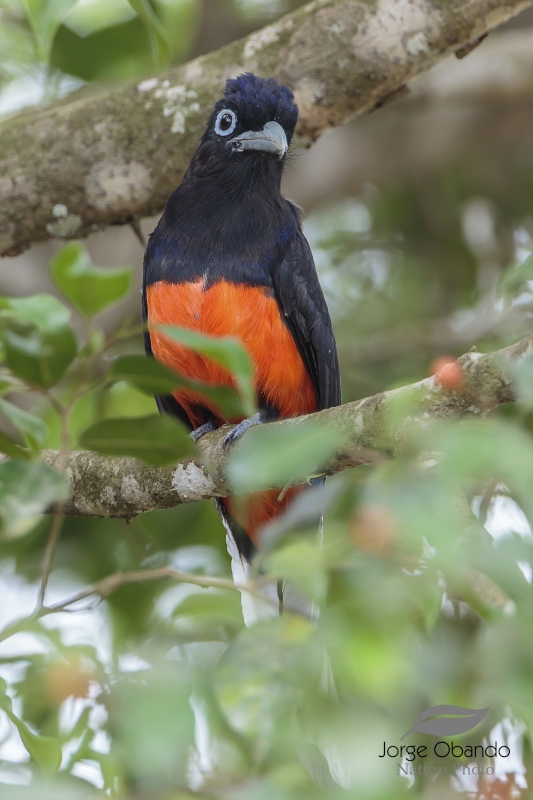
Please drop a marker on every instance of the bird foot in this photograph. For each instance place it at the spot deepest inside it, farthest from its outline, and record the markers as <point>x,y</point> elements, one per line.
<point>235,433</point>
<point>207,427</point>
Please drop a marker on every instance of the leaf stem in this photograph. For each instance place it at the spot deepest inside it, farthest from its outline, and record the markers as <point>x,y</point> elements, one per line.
<point>59,515</point>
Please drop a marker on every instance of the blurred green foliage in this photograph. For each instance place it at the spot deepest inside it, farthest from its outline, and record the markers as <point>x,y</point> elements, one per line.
<point>49,48</point>
<point>166,691</point>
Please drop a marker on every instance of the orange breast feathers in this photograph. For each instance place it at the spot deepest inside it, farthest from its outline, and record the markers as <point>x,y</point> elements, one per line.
<point>248,313</point>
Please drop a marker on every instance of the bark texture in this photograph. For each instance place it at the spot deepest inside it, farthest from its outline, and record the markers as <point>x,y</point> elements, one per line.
<point>370,430</point>
<point>116,156</point>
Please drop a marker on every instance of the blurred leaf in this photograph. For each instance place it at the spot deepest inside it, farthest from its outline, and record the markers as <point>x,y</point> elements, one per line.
<point>63,787</point>
<point>33,428</point>
<point>123,400</point>
<point>40,358</point>
<point>227,352</point>
<point>211,609</point>
<point>514,278</point>
<point>45,17</point>
<point>302,563</point>
<point>157,439</point>
<point>43,311</point>
<point>484,450</point>
<point>116,53</point>
<point>523,377</point>
<point>17,43</point>
<point>26,490</point>
<point>9,383</point>
<point>269,455</point>
<point>264,676</point>
<point>159,40</point>
<point>304,511</point>
<point>85,18</point>
<point>43,749</point>
<point>180,20</point>
<point>38,344</point>
<point>146,374</point>
<point>154,724</point>
<point>90,289</point>
<point>151,377</point>
<point>12,449</point>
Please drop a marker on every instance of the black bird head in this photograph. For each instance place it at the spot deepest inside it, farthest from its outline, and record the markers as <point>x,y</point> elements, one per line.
<point>229,208</point>
<point>253,123</point>
<point>255,114</point>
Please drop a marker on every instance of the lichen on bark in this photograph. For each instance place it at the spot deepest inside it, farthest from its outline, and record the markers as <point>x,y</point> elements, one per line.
<point>123,151</point>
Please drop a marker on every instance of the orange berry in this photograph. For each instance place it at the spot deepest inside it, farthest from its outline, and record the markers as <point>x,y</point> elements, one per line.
<point>448,372</point>
<point>373,528</point>
<point>68,678</point>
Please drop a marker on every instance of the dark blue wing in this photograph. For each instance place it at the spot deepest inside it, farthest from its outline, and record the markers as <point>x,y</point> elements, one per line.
<point>299,292</point>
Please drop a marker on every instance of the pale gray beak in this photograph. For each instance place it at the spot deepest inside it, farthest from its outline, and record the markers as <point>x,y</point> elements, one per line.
<point>270,139</point>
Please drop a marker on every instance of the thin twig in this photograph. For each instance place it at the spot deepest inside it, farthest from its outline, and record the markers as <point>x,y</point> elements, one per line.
<point>486,500</point>
<point>111,583</point>
<point>22,624</point>
<point>59,515</point>
<point>50,551</point>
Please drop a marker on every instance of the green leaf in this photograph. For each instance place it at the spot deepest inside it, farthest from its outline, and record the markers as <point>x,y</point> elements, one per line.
<point>26,490</point>
<point>157,439</point>
<point>159,39</point>
<point>301,562</point>
<point>90,289</point>
<point>211,609</point>
<point>523,378</point>
<point>9,383</point>
<point>514,278</point>
<point>275,456</point>
<point>146,374</point>
<point>482,451</point>
<point>86,18</point>
<point>151,377</point>
<point>33,428</point>
<point>43,311</point>
<point>154,724</point>
<point>40,358</point>
<point>44,750</point>
<point>12,449</point>
<point>38,343</point>
<point>45,17</point>
<point>227,352</point>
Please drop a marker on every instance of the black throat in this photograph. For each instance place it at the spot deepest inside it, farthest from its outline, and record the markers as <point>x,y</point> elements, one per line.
<point>226,221</point>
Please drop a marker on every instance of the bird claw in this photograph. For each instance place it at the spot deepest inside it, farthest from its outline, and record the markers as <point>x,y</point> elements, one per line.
<point>207,427</point>
<point>235,433</point>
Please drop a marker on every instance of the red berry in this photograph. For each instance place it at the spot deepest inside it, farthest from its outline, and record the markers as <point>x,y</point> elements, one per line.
<point>448,372</point>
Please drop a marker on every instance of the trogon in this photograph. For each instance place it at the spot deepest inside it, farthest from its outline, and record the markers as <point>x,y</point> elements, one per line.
<point>228,258</point>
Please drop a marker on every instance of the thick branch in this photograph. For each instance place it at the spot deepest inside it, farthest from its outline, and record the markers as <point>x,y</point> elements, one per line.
<point>369,429</point>
<point>114,157</point>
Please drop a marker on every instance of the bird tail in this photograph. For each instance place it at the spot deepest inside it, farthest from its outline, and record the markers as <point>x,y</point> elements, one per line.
<point>270,599</point>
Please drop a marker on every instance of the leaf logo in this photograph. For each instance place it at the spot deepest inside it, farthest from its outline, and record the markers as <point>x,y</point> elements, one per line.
<point>463,720</point>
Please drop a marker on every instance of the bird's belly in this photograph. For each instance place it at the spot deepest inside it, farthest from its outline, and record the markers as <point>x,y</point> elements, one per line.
<point>248,313</point>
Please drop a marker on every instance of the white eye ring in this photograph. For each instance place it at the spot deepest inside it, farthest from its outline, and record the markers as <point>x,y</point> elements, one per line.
<point>226,112</point>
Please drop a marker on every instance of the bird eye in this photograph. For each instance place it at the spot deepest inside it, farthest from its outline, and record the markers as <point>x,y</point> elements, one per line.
<point>225,122</point>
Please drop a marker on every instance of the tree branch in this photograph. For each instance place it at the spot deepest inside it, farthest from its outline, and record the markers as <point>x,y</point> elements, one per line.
<point>111,583</point>
<point>369,429</point>
<point>115,157</point>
